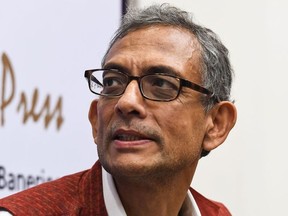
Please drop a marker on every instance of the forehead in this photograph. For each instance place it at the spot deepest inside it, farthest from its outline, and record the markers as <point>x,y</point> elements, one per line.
<point>158,45</point>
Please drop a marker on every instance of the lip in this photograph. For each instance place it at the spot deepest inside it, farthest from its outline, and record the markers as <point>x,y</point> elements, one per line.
<point>126,139</point>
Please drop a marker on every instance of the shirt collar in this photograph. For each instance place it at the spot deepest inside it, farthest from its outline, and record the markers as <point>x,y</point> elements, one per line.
<point>113,203</point>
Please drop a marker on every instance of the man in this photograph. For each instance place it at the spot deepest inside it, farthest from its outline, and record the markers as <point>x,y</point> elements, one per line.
<point>164,103</point>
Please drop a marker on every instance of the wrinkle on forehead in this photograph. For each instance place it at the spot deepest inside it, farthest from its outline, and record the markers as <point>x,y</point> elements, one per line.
<point>160,39</point>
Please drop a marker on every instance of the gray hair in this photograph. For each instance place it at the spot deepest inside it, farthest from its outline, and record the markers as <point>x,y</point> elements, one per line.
<point>216,70</point>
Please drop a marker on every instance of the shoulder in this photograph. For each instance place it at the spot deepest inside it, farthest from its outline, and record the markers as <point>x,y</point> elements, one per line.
<point>209,207</point>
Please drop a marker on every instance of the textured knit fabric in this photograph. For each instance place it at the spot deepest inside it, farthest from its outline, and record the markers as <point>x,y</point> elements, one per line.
<point>80,194</point>
<point>208,207</point>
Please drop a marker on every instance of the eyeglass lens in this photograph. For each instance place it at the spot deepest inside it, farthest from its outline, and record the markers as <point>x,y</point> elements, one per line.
<point>153,86</point>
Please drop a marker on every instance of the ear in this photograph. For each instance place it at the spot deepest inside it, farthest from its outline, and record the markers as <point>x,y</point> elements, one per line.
<point>93,117</point>
<point>221,119</point>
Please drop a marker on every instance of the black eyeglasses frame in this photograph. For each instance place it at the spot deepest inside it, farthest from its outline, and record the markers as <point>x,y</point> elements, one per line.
<point>183,83</point>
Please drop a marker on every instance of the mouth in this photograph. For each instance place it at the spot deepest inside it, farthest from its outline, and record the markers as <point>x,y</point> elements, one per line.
<point>134,140</point>
<point>126,137</point>
<point>129,136</point>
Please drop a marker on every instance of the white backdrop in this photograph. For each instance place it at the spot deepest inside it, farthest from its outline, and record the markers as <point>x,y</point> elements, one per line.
<point>45,46</point>
<point>249,172</point>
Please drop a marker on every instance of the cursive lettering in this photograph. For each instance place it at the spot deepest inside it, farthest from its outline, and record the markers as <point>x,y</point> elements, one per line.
<point>29,109</point>
<point>7,70</point>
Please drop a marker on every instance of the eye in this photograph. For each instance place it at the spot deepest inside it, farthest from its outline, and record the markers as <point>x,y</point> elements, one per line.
<point>111,81</point>
<point>159,82</point>
<point>164,82</point>
<point>160,87</point>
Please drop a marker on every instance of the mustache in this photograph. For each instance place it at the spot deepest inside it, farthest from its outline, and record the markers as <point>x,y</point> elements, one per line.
<point>141,128</point>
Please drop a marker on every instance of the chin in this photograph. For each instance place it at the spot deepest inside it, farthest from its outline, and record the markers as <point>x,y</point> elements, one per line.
<point>138,170</point>
<point>125,167</point>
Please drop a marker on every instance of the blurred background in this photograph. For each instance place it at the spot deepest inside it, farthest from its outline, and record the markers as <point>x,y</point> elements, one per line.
<point>44,100</point>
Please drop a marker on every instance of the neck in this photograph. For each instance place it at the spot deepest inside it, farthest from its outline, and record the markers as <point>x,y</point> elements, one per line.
<point>155,195</point>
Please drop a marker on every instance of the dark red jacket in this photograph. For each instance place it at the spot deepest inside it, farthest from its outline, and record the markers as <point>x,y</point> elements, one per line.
<point>80,194</point>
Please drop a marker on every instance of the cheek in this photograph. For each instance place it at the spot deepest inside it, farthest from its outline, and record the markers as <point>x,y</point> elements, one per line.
<point>183,130</point>
<point>180,120</point>
<point>104,113</point>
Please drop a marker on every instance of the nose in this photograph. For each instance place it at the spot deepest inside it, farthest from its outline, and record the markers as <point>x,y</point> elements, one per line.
<point>131,103</point>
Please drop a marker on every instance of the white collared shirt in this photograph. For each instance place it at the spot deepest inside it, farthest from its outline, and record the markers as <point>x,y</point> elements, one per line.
<point>113,203</point>
<point>4,213</point>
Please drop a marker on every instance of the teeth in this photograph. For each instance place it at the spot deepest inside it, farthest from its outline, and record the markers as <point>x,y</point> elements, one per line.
<point>124,137</point>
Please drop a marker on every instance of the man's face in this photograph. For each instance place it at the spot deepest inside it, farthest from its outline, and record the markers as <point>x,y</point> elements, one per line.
<point>136,136</point>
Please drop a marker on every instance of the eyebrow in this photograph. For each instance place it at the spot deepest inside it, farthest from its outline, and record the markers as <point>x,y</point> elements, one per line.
<point>149,70</point>
<point>162,69</point>
<point>116,66</point>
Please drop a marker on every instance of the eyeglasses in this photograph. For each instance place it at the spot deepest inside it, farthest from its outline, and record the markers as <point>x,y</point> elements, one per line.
<point>156,87</point>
